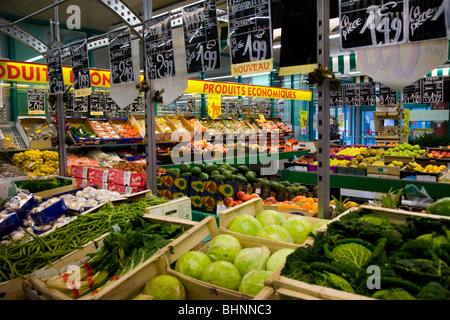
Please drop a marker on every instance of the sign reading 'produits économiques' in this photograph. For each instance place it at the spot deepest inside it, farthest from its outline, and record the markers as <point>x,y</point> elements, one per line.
<point>80,68</point>
<point>389,22</point>
<point>120,57</point>
<point>54,71</point>
<point>250,36</point>
<point>201,35</point>
<point>159,55</point>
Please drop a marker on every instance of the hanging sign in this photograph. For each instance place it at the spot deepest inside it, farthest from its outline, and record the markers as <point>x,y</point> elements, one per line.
<point>159,55</point>
<point>367,95</point>
<point>201,35</point>
<point>120,57</point>
<point>36,101</point>
<point>190,105</point>
<point>303,119</point>
<point>413,93</point>
<point>387,95</point>
<point>406,128</point>
<point>214,105</point>
<point>80,68</point>
<point>55,72</point>
<point>432,89</point>
<point>350,92</point>
<point>427,20</point>
<point>250,36</point>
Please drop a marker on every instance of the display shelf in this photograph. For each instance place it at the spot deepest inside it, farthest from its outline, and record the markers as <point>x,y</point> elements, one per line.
<point>104,145</point>
<point>434,189</point>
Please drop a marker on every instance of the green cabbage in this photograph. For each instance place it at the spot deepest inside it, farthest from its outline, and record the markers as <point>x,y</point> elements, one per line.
<point>436,239</point>
<point>224,247</point>
<point>278,258</point>
<point>276,233</point>
<point>165,287</point>
<point>251,259</point>
<point>299,228</point>
<point>192,263</point>
<point>377,219</point>
<point>331,280</point>
<point>245,224</point>
<point>318,225</point>
<point>352,255</point>
<point>270,217</point>
<point>253,282</point>
<point>223,274</point>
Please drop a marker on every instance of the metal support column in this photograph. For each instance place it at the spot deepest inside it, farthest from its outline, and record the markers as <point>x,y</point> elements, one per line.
<point>323,112</point>
<point>150,114</point>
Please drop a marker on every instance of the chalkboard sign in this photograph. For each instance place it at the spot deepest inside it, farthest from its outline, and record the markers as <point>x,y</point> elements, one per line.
<point>137,105</point>
<point>80,68</point>
<point>367,95</point>
<point>250,30</point>
<point>36,101</point>
<point>120,57</point>
<point>54,71</point>
<point>201,36</point>
<point>427,20</point>
<point>190,108</point>
<point>413,93</point>
<point>387,95</point>
<point>350,92</point>
<point>159,56</point>
<point>80,104</point>
<point>238,106</point>
<point>363,25</point>
<point>336,98</point>
<point>96,104</point>
<point>110,105</point>
<point>432,89</point>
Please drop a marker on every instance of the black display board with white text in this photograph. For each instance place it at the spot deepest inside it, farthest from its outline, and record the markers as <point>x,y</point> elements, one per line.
<point>80,65</point>
<point>54,71</point>
<point>120,56</point>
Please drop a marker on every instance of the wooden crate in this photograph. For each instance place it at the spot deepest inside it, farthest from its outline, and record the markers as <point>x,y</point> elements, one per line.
<point>180,208</point>
<point>404,159</point>
<point>276,207</point>
<point>293,289</point>
<point>392,172</point>
<point>114,289</point>
<point>253,207</point>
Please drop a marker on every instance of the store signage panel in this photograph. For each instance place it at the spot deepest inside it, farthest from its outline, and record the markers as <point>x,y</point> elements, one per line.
<point>413,93</point>
<point>336,98</point>
<point>96,104</point>
<point>159,55</point>
<point>350,92</point>
<point>80,104</point>
<point>120,57</point>
<point>214,105</point>
<point>55,72</point>
<point>367,95</point>
<point>432,89</point>
<point>250,34</point>
<point>80,68</point>
<point>36,101</point>
<point>201,35</point>
<point>387,95</point>
<point>387,22</point>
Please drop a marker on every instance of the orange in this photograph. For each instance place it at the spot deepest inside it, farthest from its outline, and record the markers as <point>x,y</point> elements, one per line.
<point>284,206</point>
<point>294,206</point>
<point>303,200</point>
<point>310,200</point>
<point>298,198</point>
<point>245,197</point>
<point>307,205</point>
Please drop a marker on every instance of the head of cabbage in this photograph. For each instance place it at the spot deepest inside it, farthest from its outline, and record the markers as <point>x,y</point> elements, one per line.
<point>192,263</point>
<point>224,247</point>
<point>223,274</point>
<point>276,233</point>
<point>251,259</point>
<point>269,217</point>
<point>253,282</point>
<point>245,224</point>
<point>318,225</point>
<point>299,228</point>
<point>165,287</point>
<point>278,258</point>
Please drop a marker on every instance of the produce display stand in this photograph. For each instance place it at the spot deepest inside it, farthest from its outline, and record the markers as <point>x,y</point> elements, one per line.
<point>288,288</point>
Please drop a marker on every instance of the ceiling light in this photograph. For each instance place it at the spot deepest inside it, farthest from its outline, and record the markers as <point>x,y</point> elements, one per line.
<point>334,36</point>
<point>35,58</point>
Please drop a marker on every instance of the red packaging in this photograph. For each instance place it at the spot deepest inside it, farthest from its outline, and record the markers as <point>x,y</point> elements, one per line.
<point>81,183</point>
<point>126,178</point>
<point>99,175</point>
<point>123,189</point>
<point>77,171</point>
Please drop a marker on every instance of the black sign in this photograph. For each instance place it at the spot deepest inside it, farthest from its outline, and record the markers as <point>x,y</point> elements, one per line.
<point>427,20</point>
<point>387,95</point>
<point>336,98</point>
<point>190,108</point>
<point>413,93</point>
<point>80,65</point>
<point>54,71</point>
<point>36,101</point>
<point>137,105</point>
<point>367,95</point>
<point>201,37</point>
<point>250,30</point>
<point>120,56</point>
<point>158,41</point>
<point>96,103</point>
<point>110,105</point>
<point>239,106</point>
<point>350,92</point>
<point>364,25</point>
<point>80,104</point>
<point>432,89</point>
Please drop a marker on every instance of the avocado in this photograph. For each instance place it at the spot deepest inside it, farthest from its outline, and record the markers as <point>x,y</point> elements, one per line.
<point>286,183</point>
<point>185,168</point>
<point>240,179</point>
<point>228,175</point>
<point>203,176</point>
<point>219,177</point>
<point>234,170</point>
<point>210,167</point>
<point>186,174</point>
<point>290,190</point>
<point>202,166</point>
<point>214,173</point>
<point>196,171</point>
<point>275,186</point>
<point>250,175</point>
<point>242,168</point>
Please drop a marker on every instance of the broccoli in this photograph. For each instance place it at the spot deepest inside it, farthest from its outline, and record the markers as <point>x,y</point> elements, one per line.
<point>433,291</point>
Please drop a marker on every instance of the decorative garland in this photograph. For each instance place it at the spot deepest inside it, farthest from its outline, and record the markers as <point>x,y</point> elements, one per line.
<point>322,73</point>
<point>157,95</point>
<point>143,86</point>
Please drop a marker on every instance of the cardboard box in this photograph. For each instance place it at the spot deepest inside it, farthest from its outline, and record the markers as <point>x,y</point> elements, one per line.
<point>126,178</point>
<point>79,172</point>
<point>26,122</point>
<point>123,189</point>
<point>98,175</point>
<point>77,122</point>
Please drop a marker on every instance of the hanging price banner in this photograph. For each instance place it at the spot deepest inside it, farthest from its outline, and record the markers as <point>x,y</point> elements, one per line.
<point>214,105</point>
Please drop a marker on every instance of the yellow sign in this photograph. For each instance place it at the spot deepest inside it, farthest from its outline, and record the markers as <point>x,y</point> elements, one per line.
<point>246,90</point>
<point>214,105</point>
<point>406,129</point>
<point>252,67</point>
<point>303,119</point>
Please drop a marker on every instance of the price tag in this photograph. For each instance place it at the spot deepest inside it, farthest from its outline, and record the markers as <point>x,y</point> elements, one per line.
<point>80,68</point>
<point>432,89</point>
<point>54,71</point>
<point>120,57</point>
<point>387,95</point>
<point>413,93</point>
<point>214,105</point>
<point>36,101</point>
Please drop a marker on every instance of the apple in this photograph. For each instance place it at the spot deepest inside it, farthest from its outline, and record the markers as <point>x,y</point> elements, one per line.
<point>239,202</point>
<point>240,194</point>
<point>228,202</point>
<point>271,200</point>
<point>254,195</point>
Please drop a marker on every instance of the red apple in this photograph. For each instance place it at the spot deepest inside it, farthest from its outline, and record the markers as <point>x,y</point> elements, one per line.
<point>270,200</point>
<point>228,202</point>
<point>254,195</point>
<point>240,194</point>
<point>239,202</point>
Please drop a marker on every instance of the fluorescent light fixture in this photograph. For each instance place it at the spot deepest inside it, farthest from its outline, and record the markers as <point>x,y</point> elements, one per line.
<point>255,75</point>
<point>215,78</point>
<point>277,46</point>
<point>35,58</point>
<point>334,36</point>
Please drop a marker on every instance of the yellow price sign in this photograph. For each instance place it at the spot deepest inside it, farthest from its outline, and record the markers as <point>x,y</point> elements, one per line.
<point>214,105</point>
<point>303,119</point>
